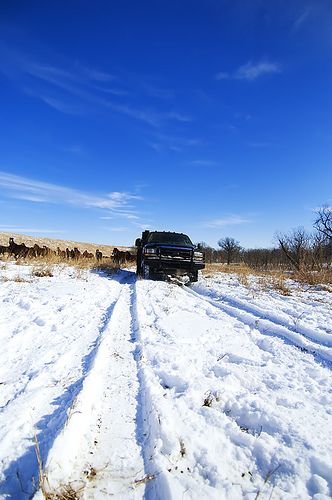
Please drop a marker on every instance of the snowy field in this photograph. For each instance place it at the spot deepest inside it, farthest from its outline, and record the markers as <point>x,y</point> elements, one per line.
<point>143,389</point>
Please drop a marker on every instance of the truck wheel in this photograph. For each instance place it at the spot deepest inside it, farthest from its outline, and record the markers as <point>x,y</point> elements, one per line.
<point>194,277</point>
<point>146,272</point>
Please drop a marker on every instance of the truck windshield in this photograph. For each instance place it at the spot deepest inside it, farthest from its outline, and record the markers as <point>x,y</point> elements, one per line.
<point>169,238</point>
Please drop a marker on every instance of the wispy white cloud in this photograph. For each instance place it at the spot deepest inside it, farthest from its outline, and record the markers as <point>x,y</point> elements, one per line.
<point>204,163</point>
<point>251,71</point>
<point>163,141</point>
<point>89,86</point>
<point>230,220</point>
<point>112,90</point>
<point>98,76</point>
<point>301,18</point>
<point>59,105</point>
<point>27,189</point>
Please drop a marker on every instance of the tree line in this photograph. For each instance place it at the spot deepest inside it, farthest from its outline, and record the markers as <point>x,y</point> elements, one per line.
<point>298,249</point>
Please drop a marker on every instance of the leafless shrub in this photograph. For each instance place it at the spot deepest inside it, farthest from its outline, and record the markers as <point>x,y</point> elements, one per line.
<point>296,247</point>
<point>20,279</point>
<point>108,267</point>
<point>322,277</point>
<point>42,271</point>
<point>278,283</point>
<point>243,277</point>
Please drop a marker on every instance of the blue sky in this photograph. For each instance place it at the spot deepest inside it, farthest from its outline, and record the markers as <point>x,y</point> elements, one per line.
<point>209,117</point>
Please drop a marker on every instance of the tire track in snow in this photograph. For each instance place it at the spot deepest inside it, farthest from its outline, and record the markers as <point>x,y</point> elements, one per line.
<point>269,327</point>
<point>100,450</point>
<point>319,337</point>
<point>147,418</point>
<point>20,476</point>
<point>165,451</point>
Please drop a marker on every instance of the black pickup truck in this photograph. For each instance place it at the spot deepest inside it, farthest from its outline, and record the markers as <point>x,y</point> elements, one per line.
<point>162,254</point>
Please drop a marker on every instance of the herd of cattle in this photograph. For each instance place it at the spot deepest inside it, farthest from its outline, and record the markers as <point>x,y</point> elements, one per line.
<point>21,251</point>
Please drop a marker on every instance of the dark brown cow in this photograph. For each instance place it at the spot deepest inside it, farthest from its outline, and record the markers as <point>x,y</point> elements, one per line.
<point>118,256</point>
<point>46,251</point>
<point>38,250</point>
<point>3,250</point>
<point>130,257</point>
<point>18,251</point>
<point>99,255</point>
<point>61,253</point>
<point>87,255</point>
<point>77,253</point>
<point>31,253</point>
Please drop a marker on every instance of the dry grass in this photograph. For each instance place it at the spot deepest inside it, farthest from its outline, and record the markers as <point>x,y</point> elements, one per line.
<point>275,277</point>
<point>216,267</point>
<point>322,277</point>
<point>144,480</point>
<point>267,280</point>
<point>42,271</point>
<point>64,492</point>
<point>278,284</point>
<point>51,260</point>
<point>107,266</point>
<point>17,279</point>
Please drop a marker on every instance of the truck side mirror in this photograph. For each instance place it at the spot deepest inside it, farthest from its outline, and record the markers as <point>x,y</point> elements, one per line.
<point>138,242</point>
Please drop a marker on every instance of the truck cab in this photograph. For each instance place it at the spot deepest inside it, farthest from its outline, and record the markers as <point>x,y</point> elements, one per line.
<point>163,254</point>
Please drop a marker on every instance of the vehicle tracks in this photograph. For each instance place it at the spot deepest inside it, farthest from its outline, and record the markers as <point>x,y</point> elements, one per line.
<point>102,438</point>
<point>268,327</point>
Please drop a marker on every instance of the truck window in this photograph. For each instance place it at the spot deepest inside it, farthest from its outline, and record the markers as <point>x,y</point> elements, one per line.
<point>169,238</point>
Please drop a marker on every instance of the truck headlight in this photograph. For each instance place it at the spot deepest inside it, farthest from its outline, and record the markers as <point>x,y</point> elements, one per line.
<point>198,255</point>
<point>150,251</point>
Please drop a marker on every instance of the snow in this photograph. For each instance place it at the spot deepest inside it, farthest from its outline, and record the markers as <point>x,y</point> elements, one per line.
<point>139,389</point>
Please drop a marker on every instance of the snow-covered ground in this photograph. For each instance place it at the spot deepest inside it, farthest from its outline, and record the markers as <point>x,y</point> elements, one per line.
<point>139,389</point>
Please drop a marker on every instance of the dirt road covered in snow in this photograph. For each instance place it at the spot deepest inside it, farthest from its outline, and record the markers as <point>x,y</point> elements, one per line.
<point>143,389</point>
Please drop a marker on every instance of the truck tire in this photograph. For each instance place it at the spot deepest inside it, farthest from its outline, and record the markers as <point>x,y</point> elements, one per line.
<point>145,271</point>
<point>194,277</point>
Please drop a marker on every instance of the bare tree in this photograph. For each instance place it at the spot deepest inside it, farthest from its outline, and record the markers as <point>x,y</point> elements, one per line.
<point>323,221</point>
<point>264,258</point>
<point>319,249</point>
<point>296,246</point>
<point>230,247</point>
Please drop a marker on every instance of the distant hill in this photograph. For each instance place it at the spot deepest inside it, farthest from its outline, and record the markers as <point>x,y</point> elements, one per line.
<point>62,244</point>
